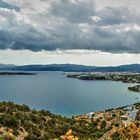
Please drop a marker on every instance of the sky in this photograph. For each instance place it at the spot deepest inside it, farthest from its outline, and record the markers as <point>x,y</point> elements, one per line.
<point>88,32</point>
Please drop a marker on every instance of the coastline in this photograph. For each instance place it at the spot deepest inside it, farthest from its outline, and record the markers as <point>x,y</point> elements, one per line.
<point>124,77</point>
<point>22,123</point>
<point>20,120</point>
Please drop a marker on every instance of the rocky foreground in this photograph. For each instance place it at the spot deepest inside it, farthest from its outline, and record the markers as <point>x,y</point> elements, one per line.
<point>19,122</point>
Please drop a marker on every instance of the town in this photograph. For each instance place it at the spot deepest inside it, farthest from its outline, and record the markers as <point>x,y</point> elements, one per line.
<point>113,120</point>
<point>126,77</point>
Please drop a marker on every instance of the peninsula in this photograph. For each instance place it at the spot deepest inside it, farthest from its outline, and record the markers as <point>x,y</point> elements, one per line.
<point>125,77</point>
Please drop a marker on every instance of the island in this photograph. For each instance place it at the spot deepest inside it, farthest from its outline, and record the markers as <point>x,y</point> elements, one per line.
<point>135,88</point>
<point>19,122</point>
<point>16,73</point>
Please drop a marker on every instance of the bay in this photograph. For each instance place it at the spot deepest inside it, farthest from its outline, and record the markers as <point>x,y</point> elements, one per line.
<point>65,96</point>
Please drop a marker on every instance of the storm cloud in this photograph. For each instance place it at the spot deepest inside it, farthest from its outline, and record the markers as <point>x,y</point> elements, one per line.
<point>68,24</point>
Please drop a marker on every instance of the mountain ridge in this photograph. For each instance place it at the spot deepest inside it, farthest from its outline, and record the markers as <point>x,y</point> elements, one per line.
<point>72,68</point>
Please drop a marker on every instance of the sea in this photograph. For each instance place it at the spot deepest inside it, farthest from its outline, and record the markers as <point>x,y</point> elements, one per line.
<point>64,96</point>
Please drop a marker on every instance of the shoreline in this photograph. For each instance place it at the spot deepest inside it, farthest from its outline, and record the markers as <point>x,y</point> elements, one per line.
<point>20,120</point>
<point>133,78</point>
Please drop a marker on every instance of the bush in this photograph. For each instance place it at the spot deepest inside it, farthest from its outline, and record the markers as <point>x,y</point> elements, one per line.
<point>31,137</point>
<point>115,136</point>
<point>8,137</point>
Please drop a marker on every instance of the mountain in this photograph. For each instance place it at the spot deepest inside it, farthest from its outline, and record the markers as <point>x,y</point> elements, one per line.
<point>122,68</point>
<point>2,66</point>
<point>53,67</point>
<point>72,68</point>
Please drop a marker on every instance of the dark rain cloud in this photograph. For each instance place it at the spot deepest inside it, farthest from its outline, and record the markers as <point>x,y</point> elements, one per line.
<point>68,24</point>
<point>8,6</point>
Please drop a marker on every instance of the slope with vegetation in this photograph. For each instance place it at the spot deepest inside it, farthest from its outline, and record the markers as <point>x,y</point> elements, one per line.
<point>20,122</point>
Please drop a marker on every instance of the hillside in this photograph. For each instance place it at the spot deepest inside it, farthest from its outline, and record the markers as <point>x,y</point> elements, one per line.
<point>4,66</point>
<point>20,122</point>
<point>74,68</point>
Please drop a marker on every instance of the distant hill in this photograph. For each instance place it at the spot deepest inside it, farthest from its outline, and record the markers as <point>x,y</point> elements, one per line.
<point>72,68</point>
<point>2,66</point>
<point>53,67</point>
<point>122,68</point>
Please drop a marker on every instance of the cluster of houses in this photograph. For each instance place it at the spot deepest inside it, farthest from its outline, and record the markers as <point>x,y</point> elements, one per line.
<point>123,116</point>
<point>114,76</point>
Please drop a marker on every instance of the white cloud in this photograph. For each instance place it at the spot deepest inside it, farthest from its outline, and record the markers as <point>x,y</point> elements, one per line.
<point>118,3</point>
<point>96,18</point>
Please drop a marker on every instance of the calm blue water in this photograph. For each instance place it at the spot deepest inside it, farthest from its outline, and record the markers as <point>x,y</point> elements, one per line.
<point>65,96</point>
